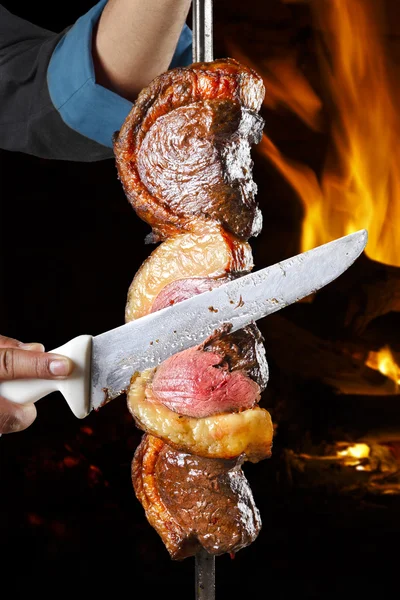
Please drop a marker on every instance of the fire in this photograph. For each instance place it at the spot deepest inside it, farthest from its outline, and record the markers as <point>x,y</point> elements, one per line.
<point>384,361</point>
<point>359,186</point>
<point>372,467</point>
<point>355,455</point>
<point>356,451</point>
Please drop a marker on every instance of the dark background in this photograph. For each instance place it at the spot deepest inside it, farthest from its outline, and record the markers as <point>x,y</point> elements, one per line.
<point>70,245</point>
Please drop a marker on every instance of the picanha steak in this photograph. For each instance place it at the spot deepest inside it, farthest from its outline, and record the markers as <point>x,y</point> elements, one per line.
<point>183,157</point>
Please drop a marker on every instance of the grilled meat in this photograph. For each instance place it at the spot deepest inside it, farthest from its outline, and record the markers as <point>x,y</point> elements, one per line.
<point>183,157</point>
<point>225,435</point>
<point>183,153</point>
<point>194,502</point>
<point>242,351</point>
<point>211,253</point>
<point>198,384</point>
<point>225,374</point>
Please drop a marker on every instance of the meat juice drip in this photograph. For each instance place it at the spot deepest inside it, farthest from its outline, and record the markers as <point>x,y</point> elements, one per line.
<point>183,157</point>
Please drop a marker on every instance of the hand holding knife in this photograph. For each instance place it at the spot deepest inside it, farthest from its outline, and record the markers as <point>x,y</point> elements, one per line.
<point>104,365</point>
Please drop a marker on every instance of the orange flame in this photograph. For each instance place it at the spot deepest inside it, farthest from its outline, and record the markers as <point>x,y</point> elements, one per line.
<point>355,451</point>
<point>359,186</point>
<point>354,455</point>
<point>384,361</point>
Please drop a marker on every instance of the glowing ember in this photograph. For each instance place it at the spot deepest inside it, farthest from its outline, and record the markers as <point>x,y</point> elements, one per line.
<point>384,361</point>
<point>355,451</point>
<point>87,430</point>
<point>346,453</point>
<point>372,467</point>
<point>360,183</point>
<point>71,461</point>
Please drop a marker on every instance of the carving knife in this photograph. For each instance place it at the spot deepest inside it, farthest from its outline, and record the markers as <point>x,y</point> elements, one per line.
<point>104,364</point>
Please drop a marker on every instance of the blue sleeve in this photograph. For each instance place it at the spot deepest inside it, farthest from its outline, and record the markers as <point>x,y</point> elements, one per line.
<point>86,107</point>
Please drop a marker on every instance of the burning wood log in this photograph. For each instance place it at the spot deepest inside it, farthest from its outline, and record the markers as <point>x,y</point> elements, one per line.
<point>347,468</point>
<point>340,364</point>
<point>368,290</point>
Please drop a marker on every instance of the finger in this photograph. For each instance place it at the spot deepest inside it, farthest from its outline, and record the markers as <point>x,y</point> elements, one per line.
<point>7,342</point>
<point>32,347</point>
<point>19,364</point>
<point>15,417</point>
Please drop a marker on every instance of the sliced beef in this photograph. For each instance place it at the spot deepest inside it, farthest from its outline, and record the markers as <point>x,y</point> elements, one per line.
<point>248,433</point>
<point>225,374</point>
<point>209,253</point>
<point>182,289</point>
<point>194,502</point>
<point>198,384</point>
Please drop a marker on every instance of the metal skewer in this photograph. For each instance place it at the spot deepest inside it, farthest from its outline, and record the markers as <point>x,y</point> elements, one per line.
<point>202,25</point>
<point>205,576</point>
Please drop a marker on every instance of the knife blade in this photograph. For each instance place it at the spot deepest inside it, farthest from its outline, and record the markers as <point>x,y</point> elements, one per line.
<point>105,364</point>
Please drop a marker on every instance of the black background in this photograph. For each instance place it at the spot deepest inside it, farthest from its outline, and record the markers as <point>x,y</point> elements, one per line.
<point>70,245</point>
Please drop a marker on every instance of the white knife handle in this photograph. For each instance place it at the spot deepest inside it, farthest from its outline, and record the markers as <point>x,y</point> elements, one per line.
<point>75,389</point>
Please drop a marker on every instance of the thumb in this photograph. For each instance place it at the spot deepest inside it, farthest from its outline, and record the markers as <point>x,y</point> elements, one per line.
<point>23,364</point>
<point>15,417</point>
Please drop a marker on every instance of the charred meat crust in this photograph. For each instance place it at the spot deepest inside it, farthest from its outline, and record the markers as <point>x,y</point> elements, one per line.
<point>206,112</point>
<point>203,502</point>
<point>243,351</point>
<point>176,540</point>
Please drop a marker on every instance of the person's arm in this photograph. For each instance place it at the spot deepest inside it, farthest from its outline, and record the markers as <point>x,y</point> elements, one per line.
<point>21,361</point>
<point>135,41</point>
<point>29,121</point>
<point>52,105</point>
